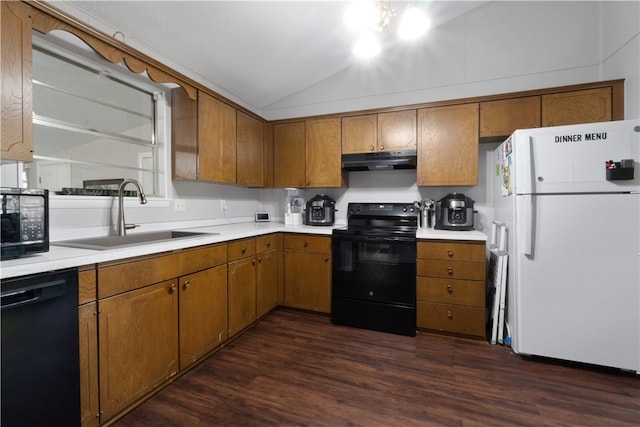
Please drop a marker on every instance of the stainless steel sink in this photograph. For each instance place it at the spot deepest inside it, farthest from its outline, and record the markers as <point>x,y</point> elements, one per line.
<point>114,242</point>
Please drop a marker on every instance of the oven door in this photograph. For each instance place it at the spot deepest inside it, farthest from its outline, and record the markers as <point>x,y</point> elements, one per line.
<point>374,268</point>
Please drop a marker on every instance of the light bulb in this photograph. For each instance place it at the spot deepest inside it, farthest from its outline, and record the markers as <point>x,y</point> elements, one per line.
<point>367,46</point>
<point>414,23</point>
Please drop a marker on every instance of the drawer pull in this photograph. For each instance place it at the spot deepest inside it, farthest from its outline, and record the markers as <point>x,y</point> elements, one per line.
<point>172,288</point>
<point>253,261</point>
<point>381,147</point>
<point>186,285</point>
<point>450,253</point>
<point>269,244</point>
<point>306,244</point>
<point>449,314</point>
<point>450,289</point>
<point>260,260</point>
<point>449,270</point>
<point>243,250</point>
<point>371,148</point>
<point>326,259</point>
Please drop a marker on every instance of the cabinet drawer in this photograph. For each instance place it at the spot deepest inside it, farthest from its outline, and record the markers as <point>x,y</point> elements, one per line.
<point>450,291</point>
<point>451,318</point>
<point>268,242</point>
<point>192,260</point>
<point>451,269</point>
<point>307,242</point>
<point>454,251</point>
<point>116,278</point>
<point>241,249</point>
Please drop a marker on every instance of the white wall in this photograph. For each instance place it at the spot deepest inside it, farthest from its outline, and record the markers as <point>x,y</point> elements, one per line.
<point>502,46</point>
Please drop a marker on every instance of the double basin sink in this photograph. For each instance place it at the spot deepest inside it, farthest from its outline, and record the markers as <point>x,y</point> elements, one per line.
<point>115,242</point>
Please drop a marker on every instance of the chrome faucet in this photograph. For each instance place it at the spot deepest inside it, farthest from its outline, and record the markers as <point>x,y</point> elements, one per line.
<point>122,226</point>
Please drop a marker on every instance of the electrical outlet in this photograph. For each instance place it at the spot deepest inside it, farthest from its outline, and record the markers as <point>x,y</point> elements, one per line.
<point>180,205</point>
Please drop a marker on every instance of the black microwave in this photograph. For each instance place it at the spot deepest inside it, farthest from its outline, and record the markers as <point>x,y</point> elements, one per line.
<point>25,221</point>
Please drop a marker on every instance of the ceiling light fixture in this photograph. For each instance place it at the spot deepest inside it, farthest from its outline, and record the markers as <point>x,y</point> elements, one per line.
<point>367,17</point>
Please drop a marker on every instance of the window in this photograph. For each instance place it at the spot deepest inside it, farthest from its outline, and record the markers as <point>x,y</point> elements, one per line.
<point>92,124</point>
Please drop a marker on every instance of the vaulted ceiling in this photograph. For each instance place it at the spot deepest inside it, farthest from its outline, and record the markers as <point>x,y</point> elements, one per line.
<point>257,53</point>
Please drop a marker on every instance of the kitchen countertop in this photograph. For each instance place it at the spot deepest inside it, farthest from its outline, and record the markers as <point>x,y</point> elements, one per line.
<point>60,257</point>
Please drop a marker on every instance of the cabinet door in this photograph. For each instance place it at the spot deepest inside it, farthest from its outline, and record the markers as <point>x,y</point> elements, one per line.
<point>267,281</point>
<point>184,136</point>
<point>88,331</point>
<point>289,155</point>
<point>397,131</point>
<point>360,134</point>
<point>501,117</point>
<point>242,294</point>
<point>307,280</point>
<point>203,313</point>
<point>216,140</point>
<point>582,106</point>
<point>16,128</point>
<point>138,333</point>
<point>323,153</point>
<point>250,160</point>
<point>448,145</point>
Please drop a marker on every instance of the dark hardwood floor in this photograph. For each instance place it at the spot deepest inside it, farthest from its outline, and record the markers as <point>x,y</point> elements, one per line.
<point>298,369</point>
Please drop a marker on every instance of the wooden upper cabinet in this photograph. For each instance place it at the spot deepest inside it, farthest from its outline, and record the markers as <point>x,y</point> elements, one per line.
<point>16,128</point>
<point>216,140</point>
<point>393,131</point>
<point>448,145</point>
<point>289,155</point>
<point>397,131</point>
<point>267,155</point>
<point>582,106</point>
<point>360,134</point>
<point>501,117</point>
<point>250,156</point>
<point>184,136</point>
<point>323,153</point>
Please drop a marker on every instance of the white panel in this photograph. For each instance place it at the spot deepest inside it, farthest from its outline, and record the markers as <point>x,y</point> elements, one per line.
<point>578,296</point>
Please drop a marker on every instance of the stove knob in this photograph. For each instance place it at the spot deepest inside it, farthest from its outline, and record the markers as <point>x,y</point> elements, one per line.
<point>404,209</point>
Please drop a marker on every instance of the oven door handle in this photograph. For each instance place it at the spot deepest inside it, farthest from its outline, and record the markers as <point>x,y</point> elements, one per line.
<point>369,238</point>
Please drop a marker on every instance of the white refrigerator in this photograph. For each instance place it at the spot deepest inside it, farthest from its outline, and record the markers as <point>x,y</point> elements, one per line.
<point>573,280</point>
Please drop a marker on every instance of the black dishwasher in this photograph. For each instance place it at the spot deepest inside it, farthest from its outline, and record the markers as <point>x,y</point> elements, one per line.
<point>40,361</point>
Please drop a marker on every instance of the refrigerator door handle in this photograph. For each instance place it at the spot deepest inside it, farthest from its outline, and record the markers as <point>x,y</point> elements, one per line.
<point>526,223</point>
<point>525,164</point>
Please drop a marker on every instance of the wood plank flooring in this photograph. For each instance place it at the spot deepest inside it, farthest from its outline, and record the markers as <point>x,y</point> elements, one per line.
<point>298,369</point>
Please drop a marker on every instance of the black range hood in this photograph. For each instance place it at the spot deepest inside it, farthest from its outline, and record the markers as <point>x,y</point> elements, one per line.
<point>379,161</point>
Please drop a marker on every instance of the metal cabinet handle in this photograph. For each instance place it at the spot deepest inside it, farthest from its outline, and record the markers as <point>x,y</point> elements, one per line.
<point>186,284</point>
<point>260,260</point>
<point>326,258</point>
<point>243,250</point>
<point>382,147</point>
<point>172,288</point>
<point>253,262</point>
<point>371,148</point>
<point>449,270</point>
<point>269,243</point>
<point>306,243</point>
<point>449,314</point>
<point>450,289</point>
<point>450,253</point>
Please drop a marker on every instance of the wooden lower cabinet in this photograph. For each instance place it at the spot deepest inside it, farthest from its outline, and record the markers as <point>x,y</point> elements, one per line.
<point>241,284</point>
<point>202,313</point>
<point>138,336</point>
<point>88,331</point>
<point>268,273</point>
<point>450,287</point>
<point>307,272</point>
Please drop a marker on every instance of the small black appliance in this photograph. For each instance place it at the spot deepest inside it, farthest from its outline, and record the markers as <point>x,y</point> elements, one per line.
<point>454,212</point>
<point>25,221</point>
<point>320,210</point>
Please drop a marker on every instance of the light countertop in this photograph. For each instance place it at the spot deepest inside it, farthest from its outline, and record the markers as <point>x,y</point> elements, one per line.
<point>60,257</point>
